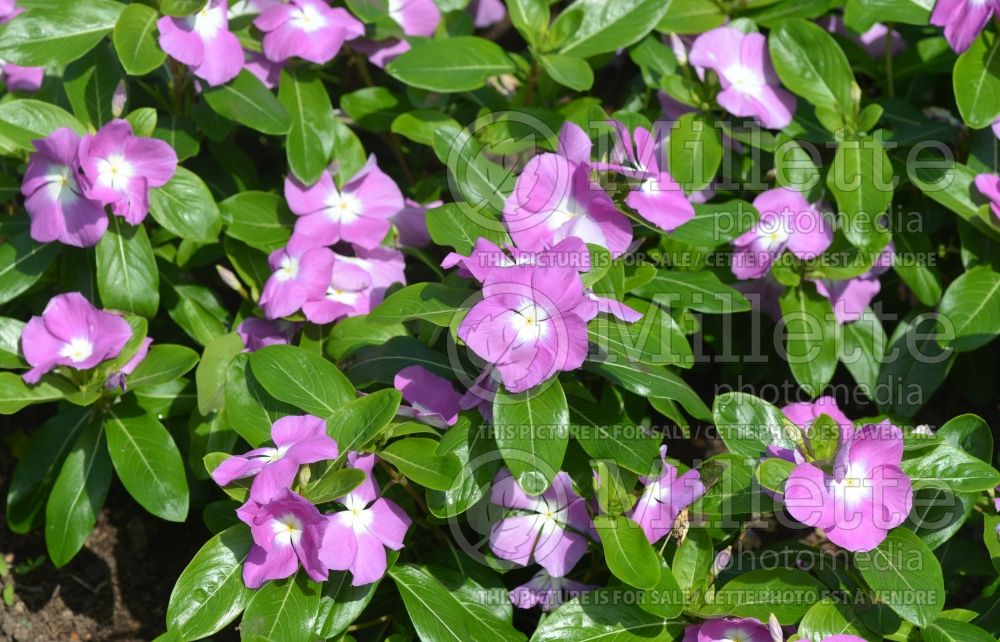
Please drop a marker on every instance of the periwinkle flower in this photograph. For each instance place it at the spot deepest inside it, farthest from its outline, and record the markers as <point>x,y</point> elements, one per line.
<point>531,323</point>
<point>787,222</point>
<point>119,378</point>
<point>433,400</point>
<point>548,528</point>
<point>307,29</point>
<point>750,86</point>
<point>804,414</point>
<point>357,284</point>
<point>18,78</point>
<point>71,332</point>
<point>657,197</point>
<point>664,497</point>
<point>415,18</point>
<point>359,212</point>
<point>355,539</point>
<point>287,530</point>
<point>203,42</point>
<point>120,168</point>
<point>257,333</point>
<point>54,196</point>
<point>727,629</point>
<point>962,20</point>
<point>547,591</point>
<point>989,186</point>
<point>554,199</point>
<point>864,495</point>
<point>411,223</point>
<point>298,440</point>
<point>301,271</point>
<point>850,297</point>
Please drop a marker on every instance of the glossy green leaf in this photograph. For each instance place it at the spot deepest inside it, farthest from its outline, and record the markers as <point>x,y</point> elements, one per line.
<point>460,63</point>
<point>247,101</point>
<point>531,430</point>
<point>185,207</point>
<point>135,40</point>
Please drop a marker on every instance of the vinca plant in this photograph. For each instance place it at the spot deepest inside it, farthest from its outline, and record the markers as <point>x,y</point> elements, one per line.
<point>475,321</point>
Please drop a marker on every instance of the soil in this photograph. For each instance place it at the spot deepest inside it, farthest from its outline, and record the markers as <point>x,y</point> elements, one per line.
<point>116,588</point>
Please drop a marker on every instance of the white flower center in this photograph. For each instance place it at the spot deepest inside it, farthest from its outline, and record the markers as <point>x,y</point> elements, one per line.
<point>287,529</point>
<point>115,172</point>
<point>288,270</point>
<point>649,185</point>
<point>343,208</point>
<point>746,80</point>
<point>529,321</point>
<point>341,296</point>
<point>396,10</point>
<point>360,516</point>
<point>209,21</point>
<point>308,18</point>
<point>772,231</point>
<point>77,350</point>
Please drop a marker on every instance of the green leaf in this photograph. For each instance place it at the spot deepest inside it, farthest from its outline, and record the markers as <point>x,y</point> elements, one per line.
<point>22,262</point>
<point>811,64</point>
<point>147,461</point>
<point>695,152</point>
<point>372,108</point>
<point>163,363</point>
<point>900,569</point>
<point>419,125</point>
<point>531,431</point>
<point>249,408</point>
<point>969,314</point>
<point>825,619</point>
<point>247,101</point>
<point>810,337</point>
<point>415,458</point>
<point>604,435</point>
<point>693,560</point>
<point>654,383</point>
<point>180,7</point>
<point>59,33</point>
<point>691,16</point>
<point>432,302</point>
<point>143,120</point>
<point>15,394</point>
<point>10,339</point>
<point>259,219</point>
<point>969,433</point>
<point>135,41</point>
<point>920,275</point>
<point>302,378</point>
<point>601,27</point>
<point>341,604</point>
<point>310,139</point>
<point>947,182</point>
<point>772,473</point>
<point>606,615</point>
<point>179,132</point>
<point>655,339</point>
<point>283,610</point>
<point>977,81</point>
<point>185,207</point>
<point>459,63</point>
<point>749,425</point>
<point>483,183</point>
<point>90,83</point>
<point>701,291</point>
<point>861,348</point>
<point>77,496</point>
<point>861,180</point>
<point>196,309</point>
<point>37,468</point>
<point>914,368</point>
<point>212,368</point>
<point>23,121</point>
<point>569,71</point>
<point>439,611</point>
<point>628,553</point>
<point>787,593</point>
<point>947,630</point>
<point>210,592</point>
<point>453,225</point>
<point>945,464</point>
<point>530,18</point>
<point>127,277</point>
<point>665,599</point>
<point>334,484</point>
<point>860,15</point>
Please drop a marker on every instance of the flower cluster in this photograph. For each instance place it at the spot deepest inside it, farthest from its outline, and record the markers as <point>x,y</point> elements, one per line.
<point>289,531</point>
<point>553,529</point>
<point>70,180</point>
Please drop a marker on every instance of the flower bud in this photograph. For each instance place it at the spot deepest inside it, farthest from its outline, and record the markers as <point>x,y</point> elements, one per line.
<point>722,560</point>
<point>118,99</point>
<point>774,628</point>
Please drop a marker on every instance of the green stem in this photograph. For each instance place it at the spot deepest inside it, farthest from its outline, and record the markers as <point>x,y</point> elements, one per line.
<point>890,82</point>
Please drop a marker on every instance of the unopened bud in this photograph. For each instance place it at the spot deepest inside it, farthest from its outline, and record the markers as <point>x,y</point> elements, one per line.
<point>230,279</point>
<point>722,560</point>
<point>774,628</point>
<point>118,99</point>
